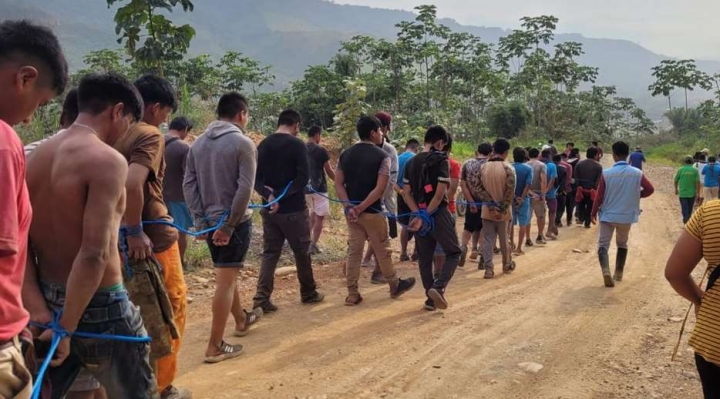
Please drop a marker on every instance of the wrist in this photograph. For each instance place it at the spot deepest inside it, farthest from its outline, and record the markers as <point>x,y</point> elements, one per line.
<point>68,326</point>
<point>133,230</point>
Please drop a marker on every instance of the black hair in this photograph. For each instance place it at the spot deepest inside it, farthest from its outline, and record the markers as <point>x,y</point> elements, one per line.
<point>592,152</point>
<point>712,159</point>
<point>501,146</point>
<point>551,141</point>
<point>688,161</point>
<point>697,155</point>
<point>485,149</point>
<point>595,143</point>
<point>314,131</point>
<point>519,155</point>
<point>534,152</point>
<point>231,104</point>
<point>366,125</point>
<point>545,154</point>
<point>575,153</point>
<point>563,155</point>
<point>570,144</point>
<point>412,144</point>
<point>156,90</point>
<point>289,117</point>
<point>69,108</point>
<point>435,134</point>
<point>97,92</point>
<point>556,158</point>
<point>181,123</point>
<point>24,41</point>
<point>621,149</point>
<point>448,143</point>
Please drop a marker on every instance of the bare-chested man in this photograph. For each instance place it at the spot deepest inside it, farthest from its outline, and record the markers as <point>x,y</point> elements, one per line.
<point>77,188</point>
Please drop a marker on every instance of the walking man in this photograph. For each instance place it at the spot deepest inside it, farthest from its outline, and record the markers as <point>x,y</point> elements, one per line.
<point>317,200</point>
<point>411,148</point>
<point>452,190</point>
<point>687,187</point>
<point>29,76</point>
<point>637,158</point>
<point>521,204</point>
<point>427,179</point>
<point>497,192</point>
<point>537,194</point>
<point>219,180</point>
<point>470,185</point>
<point>77,188</point>
<point>711,179</point>
<point>565,190</point>
<point>283,163</point>
<point>144,147</point>
<point>176,150</point>
<point>618,205</point>
<point>362,177</point>
<point>551,194</point>
<point>587,176</point>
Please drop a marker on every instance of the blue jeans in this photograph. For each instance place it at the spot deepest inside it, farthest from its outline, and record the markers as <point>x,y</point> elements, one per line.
<point>123,368</point>
<point>687,204</point>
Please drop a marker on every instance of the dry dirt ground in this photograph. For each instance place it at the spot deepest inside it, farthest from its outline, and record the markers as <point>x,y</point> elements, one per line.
<point>591,341</point>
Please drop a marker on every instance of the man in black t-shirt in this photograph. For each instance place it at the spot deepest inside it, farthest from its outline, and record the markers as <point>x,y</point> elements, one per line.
<point>316,198</point>
<point>362,178</point>
<point>426,181</point>
<point>282,160</point>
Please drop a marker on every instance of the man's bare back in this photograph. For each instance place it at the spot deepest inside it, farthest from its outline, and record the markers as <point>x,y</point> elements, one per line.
<point>77,185</point>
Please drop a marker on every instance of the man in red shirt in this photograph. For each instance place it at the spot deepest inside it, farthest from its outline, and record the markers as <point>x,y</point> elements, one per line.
<point>32,73</point>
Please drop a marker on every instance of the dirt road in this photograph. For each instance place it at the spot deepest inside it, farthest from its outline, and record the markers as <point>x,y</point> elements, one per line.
<point>592,342</point>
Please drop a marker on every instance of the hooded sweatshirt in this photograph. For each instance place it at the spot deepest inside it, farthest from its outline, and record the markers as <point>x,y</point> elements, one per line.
<point>219,176</point>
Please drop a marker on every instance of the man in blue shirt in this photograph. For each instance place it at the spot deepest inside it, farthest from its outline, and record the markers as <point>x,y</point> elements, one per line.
<point>637,158</point>
<point>551,196</point>
<point>711,179</point>
<point>521,204</point>
<point>411,148</point>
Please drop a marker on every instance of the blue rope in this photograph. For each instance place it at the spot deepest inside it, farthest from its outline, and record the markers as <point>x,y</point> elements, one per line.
<point>58,334</point>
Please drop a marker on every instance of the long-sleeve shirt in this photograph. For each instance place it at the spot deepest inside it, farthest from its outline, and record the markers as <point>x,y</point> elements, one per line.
<point>283,159</point>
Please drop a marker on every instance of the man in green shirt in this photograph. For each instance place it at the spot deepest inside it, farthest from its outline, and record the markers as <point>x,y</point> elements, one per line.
<point>687,187</point>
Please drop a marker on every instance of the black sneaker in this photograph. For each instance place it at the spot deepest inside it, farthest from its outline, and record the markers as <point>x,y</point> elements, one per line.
<point>404,285</point>
<point>317,297</point>
<point>463,255</point>
<point>541,240</point>
<point>267,307</point>
<point>429,305</point>
<point>438,298</point>
<point>528,243</point>
<point>481,263</point>
<point>377,278</point>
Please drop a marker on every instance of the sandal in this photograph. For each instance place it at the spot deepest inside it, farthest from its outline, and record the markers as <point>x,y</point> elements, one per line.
<point>227,351</point>
<point>518,253</point>
<point>250,319</point>
<point>353,300</point>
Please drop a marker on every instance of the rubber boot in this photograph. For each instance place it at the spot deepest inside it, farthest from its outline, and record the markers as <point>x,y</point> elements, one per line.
<point>620,263</point>
<point>605,266</point>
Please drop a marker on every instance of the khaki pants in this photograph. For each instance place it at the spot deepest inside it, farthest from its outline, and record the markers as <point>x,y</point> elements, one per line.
<point>15,379</point>
<point>710,193</point>
<point>606,235</point>
<point>370,227</point>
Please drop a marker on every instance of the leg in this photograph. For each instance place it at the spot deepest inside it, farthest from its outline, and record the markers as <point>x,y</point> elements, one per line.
<point>182,245</point>
<point>561,199</point>
<point>317,228</point>
<point>521,239</point>
<point>376,228</point>
<point>177,292</point>
<point>273,240</point>
<point>225,293</point>
<point>570,206</point>
<point>15,379</point>
<point>709,377</point>
<point>296,229</point>
<point>404,239</point>
<point>489,234</point>
<point>446,235</point>
<point>606,233</point>
<point>426,248</point>
<point>356,244</point>
<point>368,255</point>
<point>552,214</point>
<point>505,249</point>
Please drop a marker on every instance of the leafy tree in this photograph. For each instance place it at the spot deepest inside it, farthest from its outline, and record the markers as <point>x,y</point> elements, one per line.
<point>508,119</point>
<point>239,71</point>
<point>348,112</point>
<point>201,77</point>
<point>683,74</point>
<point>316,94</point>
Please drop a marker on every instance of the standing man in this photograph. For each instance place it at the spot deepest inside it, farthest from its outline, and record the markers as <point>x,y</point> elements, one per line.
<point>411,148</point>
<point>317,201</point>
<point>618,203</point>
<point>568,148</point>
<point>538,189</point>
<point>362,178</point>
<point>551,195</point>
<point>521,204</point>
<point>427,178</point>
<point>573,160</point>
<point>220,177</point>
<point>550,146</point>
<point>77,186</point>
<point>565,190</point>
<point>711,179</point>
<point>497,192</point>
<point>176,150</point>
<point>454,183</point>
<point>30,75</point>
<point>637,158</point>
<point>687,187</point>
<point>144,148</point>
<point>283,162</point>
<point>587,176</point>
<point>470,185</point>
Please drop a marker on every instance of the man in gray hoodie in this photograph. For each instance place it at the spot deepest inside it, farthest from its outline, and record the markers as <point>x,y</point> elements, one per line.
<point>219,179</point>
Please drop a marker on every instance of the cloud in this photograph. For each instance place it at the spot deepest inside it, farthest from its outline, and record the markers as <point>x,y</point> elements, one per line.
<point>669,27</point>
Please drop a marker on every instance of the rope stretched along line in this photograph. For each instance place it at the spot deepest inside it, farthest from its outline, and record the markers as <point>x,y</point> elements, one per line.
<point>58,334</point>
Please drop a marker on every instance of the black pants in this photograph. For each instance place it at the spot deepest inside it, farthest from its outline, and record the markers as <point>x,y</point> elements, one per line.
<point>686,205</point>
<point>562,200</point>
<point>445,235</point>
<point>295,228</point>
<point>709,377</point>
<point>570,205</point>
<point>585,209</point>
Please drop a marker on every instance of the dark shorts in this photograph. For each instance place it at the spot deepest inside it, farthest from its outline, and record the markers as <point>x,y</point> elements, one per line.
<point>123,368</point>
<point>403,211</point>
<point>473,221</point>
<point>233,254</point>
<point>552,205</point>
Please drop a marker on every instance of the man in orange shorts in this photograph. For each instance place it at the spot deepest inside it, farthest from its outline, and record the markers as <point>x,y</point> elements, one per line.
<point>144,148</point>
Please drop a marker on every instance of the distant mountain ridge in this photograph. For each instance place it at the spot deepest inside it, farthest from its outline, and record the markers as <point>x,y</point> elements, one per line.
<point>291,35</point>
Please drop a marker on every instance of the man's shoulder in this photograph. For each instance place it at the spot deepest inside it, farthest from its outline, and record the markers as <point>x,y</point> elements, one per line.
<point>9,140</point>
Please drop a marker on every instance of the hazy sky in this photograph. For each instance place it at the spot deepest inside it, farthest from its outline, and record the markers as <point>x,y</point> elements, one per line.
<point>676,28</point>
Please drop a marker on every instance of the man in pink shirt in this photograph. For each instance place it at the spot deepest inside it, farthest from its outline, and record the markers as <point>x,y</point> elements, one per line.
<point>33,71</point>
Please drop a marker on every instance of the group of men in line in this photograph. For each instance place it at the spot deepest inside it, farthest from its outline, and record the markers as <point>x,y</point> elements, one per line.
<point>697,181</point>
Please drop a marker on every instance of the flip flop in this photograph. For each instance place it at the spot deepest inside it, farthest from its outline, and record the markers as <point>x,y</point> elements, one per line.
<point>227,351</point>
<point>251,318</point>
